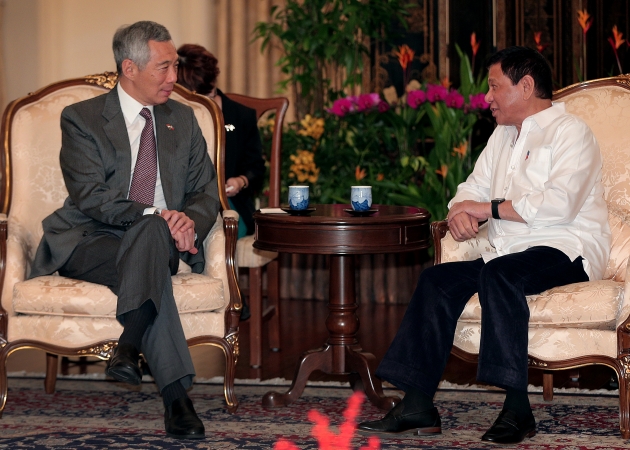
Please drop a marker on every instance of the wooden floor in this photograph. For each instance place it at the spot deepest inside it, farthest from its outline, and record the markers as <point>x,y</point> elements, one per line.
<point>303,328</point>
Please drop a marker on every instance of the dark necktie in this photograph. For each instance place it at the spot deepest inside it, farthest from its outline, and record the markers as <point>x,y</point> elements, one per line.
<point>145,173</point>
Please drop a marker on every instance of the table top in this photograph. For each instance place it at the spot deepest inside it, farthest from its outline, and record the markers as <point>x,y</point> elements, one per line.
<point>331,230</point>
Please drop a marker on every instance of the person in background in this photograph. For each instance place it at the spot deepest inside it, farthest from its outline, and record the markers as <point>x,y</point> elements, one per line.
<point>244,164</point>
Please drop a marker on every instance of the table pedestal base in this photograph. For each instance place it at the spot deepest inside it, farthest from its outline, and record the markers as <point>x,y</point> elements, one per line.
<point>342,353</point>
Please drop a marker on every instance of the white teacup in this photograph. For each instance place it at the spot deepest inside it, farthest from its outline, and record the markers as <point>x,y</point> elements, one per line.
<point>361,198</point>
<point>298,197</point>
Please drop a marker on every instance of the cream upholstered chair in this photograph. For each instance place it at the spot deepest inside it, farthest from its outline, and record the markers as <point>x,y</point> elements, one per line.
<point>584,323</point>
<point>254,259</point>
<point>66,317</point>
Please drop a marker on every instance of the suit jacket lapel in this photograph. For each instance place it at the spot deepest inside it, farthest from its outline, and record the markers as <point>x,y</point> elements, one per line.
<point>167,148</point>
<point>116,131</point>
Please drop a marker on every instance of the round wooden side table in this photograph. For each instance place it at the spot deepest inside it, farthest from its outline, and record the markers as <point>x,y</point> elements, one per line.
<point>331,230</point>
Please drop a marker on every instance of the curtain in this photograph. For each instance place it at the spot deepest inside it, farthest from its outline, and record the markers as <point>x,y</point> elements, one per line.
<point>244,69</point>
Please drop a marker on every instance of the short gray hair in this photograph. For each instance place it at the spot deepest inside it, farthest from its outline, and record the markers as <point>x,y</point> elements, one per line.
<point>132,42</point>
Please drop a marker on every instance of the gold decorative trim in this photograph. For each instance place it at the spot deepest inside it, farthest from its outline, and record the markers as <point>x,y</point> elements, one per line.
<point>625,367</point>
<point>102,351</point>
<point>624,79</point>
<point>233,341</point>
<point>3,343</point>
<point>536,363</point>
<point>107,79</point>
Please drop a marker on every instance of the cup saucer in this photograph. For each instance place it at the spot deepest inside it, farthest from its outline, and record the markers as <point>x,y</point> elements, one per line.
<point>367,212</point>
<point>298,212</point>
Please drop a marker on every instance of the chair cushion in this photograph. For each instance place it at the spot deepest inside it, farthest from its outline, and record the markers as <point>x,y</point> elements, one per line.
<point>468,250</point>
<point>56,295</point>
<point>592,305</point>
<point>248,256</point>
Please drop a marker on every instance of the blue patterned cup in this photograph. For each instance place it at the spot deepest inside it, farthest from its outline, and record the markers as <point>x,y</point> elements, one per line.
<point>298,197</point>
<point>361,198</point>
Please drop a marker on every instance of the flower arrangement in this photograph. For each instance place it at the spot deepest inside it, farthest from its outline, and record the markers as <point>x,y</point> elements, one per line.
<point>412,150</point>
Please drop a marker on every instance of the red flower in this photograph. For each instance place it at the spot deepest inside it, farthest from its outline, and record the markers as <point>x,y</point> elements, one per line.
<point>540,47</point>
<point>405,55</point>
<point>585,20</point>
<point>474,43</point>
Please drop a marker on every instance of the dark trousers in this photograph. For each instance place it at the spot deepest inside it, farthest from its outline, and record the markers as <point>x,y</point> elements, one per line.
<point>418,355</point>
<point>137,265</point>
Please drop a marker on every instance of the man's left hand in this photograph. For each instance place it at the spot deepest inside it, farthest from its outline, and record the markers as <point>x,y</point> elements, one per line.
<point>182,230</point>
<point>479,210</point>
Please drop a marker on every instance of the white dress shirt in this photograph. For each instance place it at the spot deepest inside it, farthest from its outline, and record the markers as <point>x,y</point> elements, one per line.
<point>552,174</point>
<point>135,123</point>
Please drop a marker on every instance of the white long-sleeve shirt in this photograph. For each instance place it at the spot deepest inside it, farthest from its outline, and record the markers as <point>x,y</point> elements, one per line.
<point>552,174</point>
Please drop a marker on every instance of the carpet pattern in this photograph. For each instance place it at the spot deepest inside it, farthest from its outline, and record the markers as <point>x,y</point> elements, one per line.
<point>100,414</point>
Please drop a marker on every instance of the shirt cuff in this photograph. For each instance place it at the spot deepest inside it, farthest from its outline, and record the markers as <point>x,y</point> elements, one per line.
<point>152,210</point>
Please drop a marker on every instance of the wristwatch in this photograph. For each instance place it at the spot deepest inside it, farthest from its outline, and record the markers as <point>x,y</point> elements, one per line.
<point>495,207</point>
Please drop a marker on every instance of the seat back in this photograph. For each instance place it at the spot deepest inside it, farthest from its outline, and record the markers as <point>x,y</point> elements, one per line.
<point>32,183</point>
<point>280,106</point>
<point>604,104</point>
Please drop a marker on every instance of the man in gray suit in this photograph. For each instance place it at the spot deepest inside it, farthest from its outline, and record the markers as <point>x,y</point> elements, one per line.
<point>142,194</point>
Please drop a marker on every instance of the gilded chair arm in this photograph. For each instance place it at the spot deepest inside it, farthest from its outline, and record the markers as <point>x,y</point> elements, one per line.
<point>4,316</point>
<point>623,317</point>
<point>233,312</point>
<point>448,249</point>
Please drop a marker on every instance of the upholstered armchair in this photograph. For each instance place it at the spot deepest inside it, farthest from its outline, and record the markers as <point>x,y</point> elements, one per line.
<point>255,260</point>
<point>66,317</point>
<point>584,323</point>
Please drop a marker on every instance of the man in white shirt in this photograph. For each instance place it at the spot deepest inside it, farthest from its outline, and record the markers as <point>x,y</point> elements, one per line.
<point>142,193</point>
<point>538,183</point>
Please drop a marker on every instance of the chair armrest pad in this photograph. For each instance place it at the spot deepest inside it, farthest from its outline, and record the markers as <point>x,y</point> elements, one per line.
<point>230,213</point>
<point>447,249</point>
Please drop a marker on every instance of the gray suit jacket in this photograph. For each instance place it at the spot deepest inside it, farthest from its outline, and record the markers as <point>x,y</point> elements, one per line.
<point>95,160</point>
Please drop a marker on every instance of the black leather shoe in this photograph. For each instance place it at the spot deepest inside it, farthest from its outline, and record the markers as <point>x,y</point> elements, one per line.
<point>397,421</point>
<point>123,365</point>
<point>507,429</point>
<point>181,420</point>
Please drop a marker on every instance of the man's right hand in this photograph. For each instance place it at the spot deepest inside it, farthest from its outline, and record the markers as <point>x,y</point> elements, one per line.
<point>182,230</point>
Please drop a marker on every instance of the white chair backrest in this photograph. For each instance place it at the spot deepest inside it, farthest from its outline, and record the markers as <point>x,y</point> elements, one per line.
<point>605,106</point>
<point>33,142</point>
<point>37,186</point>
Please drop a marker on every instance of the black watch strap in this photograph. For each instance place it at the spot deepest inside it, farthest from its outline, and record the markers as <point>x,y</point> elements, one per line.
<point>495,207</point>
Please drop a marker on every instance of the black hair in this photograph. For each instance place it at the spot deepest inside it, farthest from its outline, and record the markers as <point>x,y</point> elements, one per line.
<point>516,62</point>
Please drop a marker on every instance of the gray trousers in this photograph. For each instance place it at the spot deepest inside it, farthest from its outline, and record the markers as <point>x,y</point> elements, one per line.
<point>137,265</point>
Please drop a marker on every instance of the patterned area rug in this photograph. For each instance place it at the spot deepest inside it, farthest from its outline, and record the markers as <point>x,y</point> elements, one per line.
<point>101,414</point>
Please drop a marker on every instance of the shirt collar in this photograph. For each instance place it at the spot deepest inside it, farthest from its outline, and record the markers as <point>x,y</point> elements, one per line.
<point>542,118</point>
<point>130,106</point>
<point>548,115</point>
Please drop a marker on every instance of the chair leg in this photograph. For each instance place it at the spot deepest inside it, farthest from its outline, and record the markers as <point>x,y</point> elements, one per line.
<point>4,385</point>
<point>273,296</point>
<point>51,373</point>
<point>228,381</point>
<point>547,386</point>
<point>624,405</point>
<point>255,321</point>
